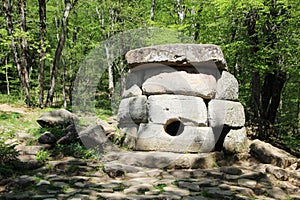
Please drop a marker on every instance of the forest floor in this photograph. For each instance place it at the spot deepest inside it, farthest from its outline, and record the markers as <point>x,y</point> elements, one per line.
<point>124,174</point>
<point>14,108</point>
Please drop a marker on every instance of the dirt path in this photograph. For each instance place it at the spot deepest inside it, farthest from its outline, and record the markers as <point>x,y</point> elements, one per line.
<point>13,108</point>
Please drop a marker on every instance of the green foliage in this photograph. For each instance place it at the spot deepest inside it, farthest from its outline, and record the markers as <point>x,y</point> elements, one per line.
<point>42,156</point>
<point>8,154</point>
<point>160,187</point>
<point>76,150</point>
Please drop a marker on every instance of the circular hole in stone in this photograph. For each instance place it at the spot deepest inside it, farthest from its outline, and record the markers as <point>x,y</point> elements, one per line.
<point>174,127</point>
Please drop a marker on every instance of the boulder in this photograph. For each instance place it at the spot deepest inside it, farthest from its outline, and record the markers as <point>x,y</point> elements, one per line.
<point>236,141</point>
<point>177,54</point>
<point>153,137</point>
<point>187,109</point>
<point>95,138</point>
<point>227,87</point>
<point>47,138</point>
<point>132,110</point>
<point>266,153</point>
<point>226,113</point>
<point>57,118</point>
<point>182,83</point>
<point>70,135</point>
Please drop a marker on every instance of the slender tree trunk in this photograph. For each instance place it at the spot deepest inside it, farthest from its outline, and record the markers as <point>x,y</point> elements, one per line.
<point>64,82</point>
<point>6,77</point>
<point>21,67</point>
<point>180,11</point>
<point>59,49</point>
<point>110,71</point>
<point>41,67</point>
<point>152,10</point>
<point>100,16</point>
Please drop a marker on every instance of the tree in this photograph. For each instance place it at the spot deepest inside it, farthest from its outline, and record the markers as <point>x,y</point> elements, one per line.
<point>59,49</point>
<point>20,60</point>
<point>42,49</point>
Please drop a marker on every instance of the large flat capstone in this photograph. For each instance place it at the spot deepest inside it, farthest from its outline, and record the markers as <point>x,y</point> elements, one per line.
<point>177,54</point>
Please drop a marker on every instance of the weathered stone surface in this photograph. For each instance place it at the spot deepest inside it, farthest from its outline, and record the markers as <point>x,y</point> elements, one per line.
<point>138,189</point>
<point>153,137</point>
<point>236,141</point>
<point>28,150</point>
<point>180,82</point>
<point>266,153</point>
<point>132,110</point>
<point>130,130</point>
<point>134,77</point>
<point>278,173</point>
<point>95,138</point>
<point>154,69</point>
<point>59,117</point>
<point>133,91</point>
<point>168,160</point>
<point>247,183</point>
<point>118,169</point>
<point>47,138</point>
<point>227,113</point>
<point>70,135</point>
<point>277,193</point>
<point>227,87</point>
<point>177,54</point>
<point>189,110</point>
<point>231,170</point>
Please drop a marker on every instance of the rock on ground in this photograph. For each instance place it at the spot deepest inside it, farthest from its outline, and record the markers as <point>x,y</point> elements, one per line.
<point>266,153</point>
<point>60,118</point>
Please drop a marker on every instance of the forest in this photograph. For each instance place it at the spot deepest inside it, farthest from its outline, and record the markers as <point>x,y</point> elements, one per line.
<point>43,44</point>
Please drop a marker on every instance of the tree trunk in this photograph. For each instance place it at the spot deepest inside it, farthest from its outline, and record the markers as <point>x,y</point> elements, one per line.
<point>21,67</point>
<point>180,11</point>
<point>41,67</point>
<point>277,87</point>
<point>152,10</point>
<point>109,57</point>
<point>59,49</point>
<point>6,77</point>
<point>255,93</point>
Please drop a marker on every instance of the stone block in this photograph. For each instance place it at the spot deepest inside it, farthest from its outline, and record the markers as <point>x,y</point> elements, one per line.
<point>153,137</point>
<point>228,113</point>
<point>227,87</point>
<point>130,130</point>
<point>236,141</point>
<point>132,110</point>
<point>177,54</point>
<point>189,110</point>
<point>182,83</point>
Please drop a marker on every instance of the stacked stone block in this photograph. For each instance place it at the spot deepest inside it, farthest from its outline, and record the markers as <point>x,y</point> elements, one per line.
<point>181,98</point>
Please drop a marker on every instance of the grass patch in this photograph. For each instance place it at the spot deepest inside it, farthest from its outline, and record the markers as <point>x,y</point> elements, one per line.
<point>76,150</point>
<point>160,187</point>
<point>42,156</point>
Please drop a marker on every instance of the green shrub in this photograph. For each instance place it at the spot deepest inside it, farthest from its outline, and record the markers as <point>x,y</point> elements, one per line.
<point>42,156</point>
<point>8,153</point>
